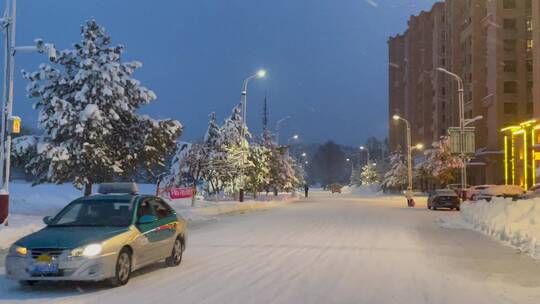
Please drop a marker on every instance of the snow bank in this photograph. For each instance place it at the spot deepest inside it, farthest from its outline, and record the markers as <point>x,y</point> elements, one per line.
<point>516,223</point>
<point>30,204</point>
<point>364,190</point>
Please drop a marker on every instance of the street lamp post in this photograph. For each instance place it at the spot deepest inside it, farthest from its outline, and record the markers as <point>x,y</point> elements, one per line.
<point>278,123</point>
<point>294,137</point>
<point>462,123</point>
<point>410,148</point>
<point>8,25</point>
<point>259,74</point>
<point>367,151</point>
<point>352,164</point>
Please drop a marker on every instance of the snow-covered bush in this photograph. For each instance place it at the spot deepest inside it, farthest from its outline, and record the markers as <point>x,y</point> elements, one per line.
<point>88,103</point>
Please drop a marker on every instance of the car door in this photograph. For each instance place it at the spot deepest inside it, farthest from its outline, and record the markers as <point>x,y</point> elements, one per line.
<point>167,225</point>
<point>148,242</point>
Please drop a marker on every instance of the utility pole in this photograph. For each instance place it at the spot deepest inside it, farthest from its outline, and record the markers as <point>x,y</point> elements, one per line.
<point>259,74</point>
<point>10,124</point>
<point>410,148</point>
<point>462,123</point>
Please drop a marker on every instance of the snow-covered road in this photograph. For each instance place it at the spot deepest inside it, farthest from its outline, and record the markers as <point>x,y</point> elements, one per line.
<point>328,249</point>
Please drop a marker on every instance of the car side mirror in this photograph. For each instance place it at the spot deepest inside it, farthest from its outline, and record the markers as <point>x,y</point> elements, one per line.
<point>47,220</point>
<point>147,219</point>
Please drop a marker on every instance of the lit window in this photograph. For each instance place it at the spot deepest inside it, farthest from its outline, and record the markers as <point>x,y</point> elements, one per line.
<point>529,24</point>
<point>530,45</point>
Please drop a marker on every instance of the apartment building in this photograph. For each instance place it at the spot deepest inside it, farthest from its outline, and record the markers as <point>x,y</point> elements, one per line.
<point>490,44</point>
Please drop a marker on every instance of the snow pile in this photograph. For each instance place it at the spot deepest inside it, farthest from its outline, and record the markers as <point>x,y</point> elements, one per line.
<point>516,223</point>
<point>363,190</point>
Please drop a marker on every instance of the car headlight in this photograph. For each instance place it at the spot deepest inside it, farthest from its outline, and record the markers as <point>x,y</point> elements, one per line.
<point>87,251</point>
<point>18,250</point>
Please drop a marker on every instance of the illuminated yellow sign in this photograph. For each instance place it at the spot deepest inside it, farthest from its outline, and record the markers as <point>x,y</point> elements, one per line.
<point>14,125</point>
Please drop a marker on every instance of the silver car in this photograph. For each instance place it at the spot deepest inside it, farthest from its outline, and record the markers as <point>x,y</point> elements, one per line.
<point>100,237</point>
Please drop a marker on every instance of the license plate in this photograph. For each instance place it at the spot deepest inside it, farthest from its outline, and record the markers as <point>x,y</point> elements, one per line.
<point>44,268</point>
<point>44,264</point>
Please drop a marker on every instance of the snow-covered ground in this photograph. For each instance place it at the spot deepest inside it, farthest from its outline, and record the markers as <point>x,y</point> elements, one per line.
<point>30,204</point>
<point>515,223</point>
<point>326,249</point>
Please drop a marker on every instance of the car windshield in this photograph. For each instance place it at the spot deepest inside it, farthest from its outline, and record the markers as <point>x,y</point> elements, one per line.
<point>94,212</point>
<point>446,193</point>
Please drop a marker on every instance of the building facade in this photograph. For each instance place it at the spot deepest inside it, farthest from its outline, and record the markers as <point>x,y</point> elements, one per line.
<point>490,45</point>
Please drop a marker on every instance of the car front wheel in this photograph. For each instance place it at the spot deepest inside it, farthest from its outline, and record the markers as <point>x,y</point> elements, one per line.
<point>176,254</point>
<point>122,269</point>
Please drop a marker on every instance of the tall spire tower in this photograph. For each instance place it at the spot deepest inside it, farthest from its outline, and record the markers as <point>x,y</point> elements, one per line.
<point>265,114</point>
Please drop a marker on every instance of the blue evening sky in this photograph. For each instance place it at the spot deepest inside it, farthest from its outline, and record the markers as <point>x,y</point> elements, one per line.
<point>327,59</point>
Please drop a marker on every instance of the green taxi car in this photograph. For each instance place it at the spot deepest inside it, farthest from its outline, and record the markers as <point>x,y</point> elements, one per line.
<point>100,237</point>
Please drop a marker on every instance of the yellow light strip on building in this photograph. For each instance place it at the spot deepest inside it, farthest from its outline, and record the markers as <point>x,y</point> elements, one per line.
<point>510,128</point>
<point>533,156</point>
<point>513,161</point>
<point>506,160</point>
<point>525,181</point>
<point>528,122</point>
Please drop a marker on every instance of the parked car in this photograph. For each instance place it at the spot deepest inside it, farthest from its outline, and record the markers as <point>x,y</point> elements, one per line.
<point>505,191</point>
<point>443,198</point>
<point>533,192</point>
<point>100,237</point>
<point>475,190</point>
<point>457,188</point>
<point>335,188</point>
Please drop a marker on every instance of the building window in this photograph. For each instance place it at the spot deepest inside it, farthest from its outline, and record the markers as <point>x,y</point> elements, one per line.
<point>529,107</point>
<point>529,24</point>
<point>509,4</point>
<point>510,87</point>
<point>509,45</point>
<point>509,23</point>
<point>510,108</point>
<point>529,87</point>
<point>530,45</point>
<point>510,66</point>
<point>529,63</point>
<point>528,4</point>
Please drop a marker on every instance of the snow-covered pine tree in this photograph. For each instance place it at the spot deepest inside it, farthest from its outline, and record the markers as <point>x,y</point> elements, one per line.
<point>440,164</point>
<point>257,171</point>
<point>188,165</point>
<point>87,107</point>
<point>356,177</point>
<point>396,177</point>
<point>215,156</point>
<point>235,149</point>
<point>282,173</point>
<point>369,174</point>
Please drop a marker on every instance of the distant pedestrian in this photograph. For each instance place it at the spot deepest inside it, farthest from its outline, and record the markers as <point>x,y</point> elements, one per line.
<point>306,189</point>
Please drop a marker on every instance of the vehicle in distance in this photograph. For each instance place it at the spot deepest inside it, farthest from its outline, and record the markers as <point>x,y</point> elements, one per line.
<point>335,188</point>
<point>443,198</point>
<point>505,191</point>
<point>100,237</point>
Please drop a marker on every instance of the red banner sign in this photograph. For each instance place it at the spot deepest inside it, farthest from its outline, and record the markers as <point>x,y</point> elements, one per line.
<point>176,193</point>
